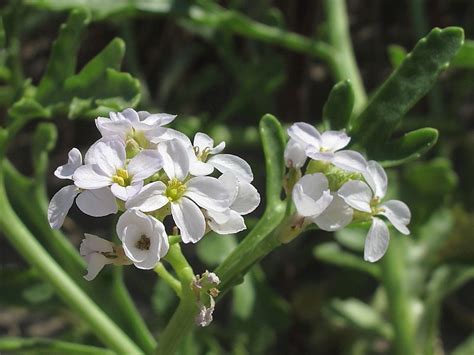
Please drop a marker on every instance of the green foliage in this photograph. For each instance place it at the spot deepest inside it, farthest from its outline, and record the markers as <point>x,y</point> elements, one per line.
<point>213,249</point>
<point>273,141</point>
<point>407,84</point>
<point>338,108</point>
<point>407,148</point>
<point>360,316</point>
<point>332,253</point>
<point>48,346</point>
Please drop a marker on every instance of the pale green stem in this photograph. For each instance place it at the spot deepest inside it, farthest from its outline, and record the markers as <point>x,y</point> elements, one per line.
<point>183,318</point>
<point>394,278</point>
<point>344,65</point>
<point>160,269</point>
<point>71,294</point>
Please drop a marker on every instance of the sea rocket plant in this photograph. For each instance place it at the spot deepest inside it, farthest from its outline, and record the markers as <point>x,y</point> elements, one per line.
<point>340,187</point>
<point>147,172</point>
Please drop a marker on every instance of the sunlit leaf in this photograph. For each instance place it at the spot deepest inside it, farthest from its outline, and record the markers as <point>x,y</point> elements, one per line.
<point>407,84</point>
<point>338,107</point>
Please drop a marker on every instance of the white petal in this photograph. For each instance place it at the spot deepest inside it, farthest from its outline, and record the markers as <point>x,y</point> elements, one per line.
<point>74,161</point>
<point>350,160</point>
<point>208,192</point>
<point>97,203</point>
<point>218,148</point>
<point>199,168</point>
<point>357,195</point>
<point>203,141</point>
<point>158,119</point>
<point>175,158</point>
<point>311,195</point>
<point>189,219</point>
<point>398,214</point>
<point>95,264</point>
<point>232,164</point>
<point>93,244</point>
<point>145,164</point>
<point>150,198</point>
<point>234,224</point>
<point>334,140</point>
<point>305,134</point>
<point>130,114</point>
<point>219,217</point>
<point>131,236</point>
<point>336,216</point>
<point>295,155</point>
<point>91,177</point>
<point>160,232</point>
<point>231,183</point>
<point>108,154</point>
<point>376,242</point>
<point>315,154</point>
<point>60,205</point>
<point>126,192</point>
<point>247,198</point>
<point>168,134</point>
<point>108,128</point>
<point>376,178</point>
<point>134,217</point>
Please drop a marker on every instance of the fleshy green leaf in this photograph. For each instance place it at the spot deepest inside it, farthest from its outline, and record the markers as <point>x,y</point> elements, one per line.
<point>338,108</point>
<point>213,249</point>
<point>332,253</point>
<point>407,84</point>
<point>407,148</point>
<point>361,316</point>
<point>273,141</point>
<point>465,56</point>
<point>62,61</point>
<point>243,298</point>
<point>396,54</point>
<point>27,108</point>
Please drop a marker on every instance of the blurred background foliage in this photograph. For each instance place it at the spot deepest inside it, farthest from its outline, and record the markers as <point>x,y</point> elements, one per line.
<point>210,64</point>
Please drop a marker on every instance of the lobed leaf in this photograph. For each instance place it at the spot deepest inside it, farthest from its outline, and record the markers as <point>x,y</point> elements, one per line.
<point>465,56</point>
<point>407,148</point>
<point>62,61</point>
<point>407,84</point>
<point>338,107</point>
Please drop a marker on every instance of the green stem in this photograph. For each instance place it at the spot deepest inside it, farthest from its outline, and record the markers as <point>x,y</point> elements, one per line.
<point>40,345</point>
<point>344,65</point>
<point>168,278</point>
<point>394,278</point>
<point>182,321</point>
<point>33,253</point>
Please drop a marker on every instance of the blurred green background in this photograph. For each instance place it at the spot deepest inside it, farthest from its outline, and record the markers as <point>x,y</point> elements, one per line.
<point>220,79</point>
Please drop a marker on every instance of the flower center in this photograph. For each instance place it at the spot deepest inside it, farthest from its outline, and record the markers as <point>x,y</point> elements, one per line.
<point>143,243</point>
<point>121,177</point>
<point>202,154</point>
<point>175,190</point>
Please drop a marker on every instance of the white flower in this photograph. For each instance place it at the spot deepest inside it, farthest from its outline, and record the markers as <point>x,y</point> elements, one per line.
<point>142,127</point>
<point>295,154</point>
<point>106,165</point>
<point>97,203</point>
<point>244,198</point>
<point>368,199</point>
<point>182,192</point>
<point>94,250</point>
<point>143,237</point>
<point>204,157</point>
<point>315,202</point>
<point>327,146</point>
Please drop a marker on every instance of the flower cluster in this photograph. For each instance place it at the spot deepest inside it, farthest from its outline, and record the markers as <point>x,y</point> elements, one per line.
<point>341,186</point>
<point>147,171</point>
